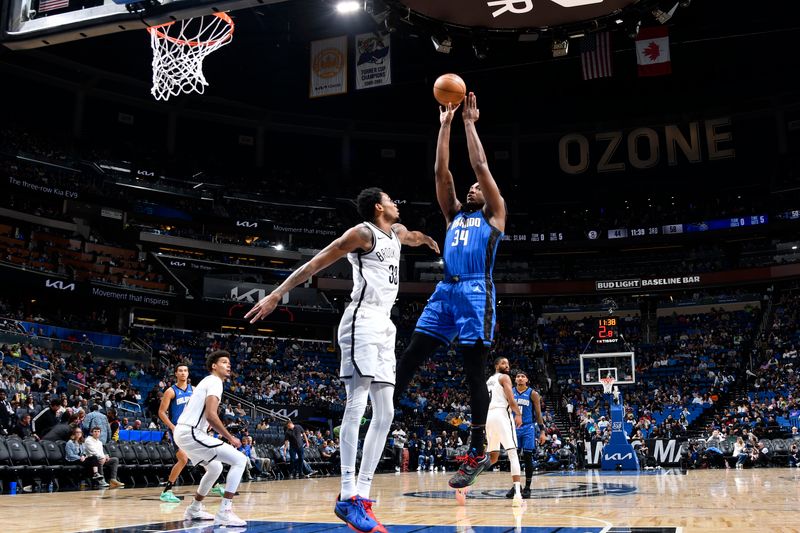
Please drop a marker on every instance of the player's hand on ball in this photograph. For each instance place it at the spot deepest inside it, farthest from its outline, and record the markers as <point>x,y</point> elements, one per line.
<point>433,245</point>
<point>446,113</point>
<point>471,112</point>
<point>265,306</point>
<point>518,420</point>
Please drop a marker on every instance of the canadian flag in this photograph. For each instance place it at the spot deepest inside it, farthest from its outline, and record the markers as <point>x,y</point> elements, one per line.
<point>652,51</point>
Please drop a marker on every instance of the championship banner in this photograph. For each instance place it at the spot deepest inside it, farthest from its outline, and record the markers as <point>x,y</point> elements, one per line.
<point>373,61</point>
<point>328,67</point>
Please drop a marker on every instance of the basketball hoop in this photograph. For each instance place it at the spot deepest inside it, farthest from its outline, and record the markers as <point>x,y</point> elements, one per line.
<point>179,49</point>
<point>607,383</point>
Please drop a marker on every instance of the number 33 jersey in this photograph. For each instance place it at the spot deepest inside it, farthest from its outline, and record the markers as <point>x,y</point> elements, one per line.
<point>376,272</point>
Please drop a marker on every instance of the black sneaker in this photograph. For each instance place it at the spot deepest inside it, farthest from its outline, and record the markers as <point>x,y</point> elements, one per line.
<point>526,493</point>
<point>510,493</point>
<point>470,469</point>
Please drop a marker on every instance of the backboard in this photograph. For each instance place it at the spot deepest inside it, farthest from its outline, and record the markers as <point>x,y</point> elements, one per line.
<point>35,23</point>
<point>620,365</point>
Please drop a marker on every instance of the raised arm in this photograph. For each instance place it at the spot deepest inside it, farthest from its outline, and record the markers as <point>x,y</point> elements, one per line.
<point>356,238</point>
<point>495,205</point>
<point>414,238</point>
<point>445,188</point>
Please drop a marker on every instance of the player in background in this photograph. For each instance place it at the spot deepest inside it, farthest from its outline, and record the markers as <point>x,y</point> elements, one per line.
<point>366,338</point>
<point>172,404</point>
<point>463,304</point>
<point>529,403</point>
<point>503,416</point>
<point>191,436</point>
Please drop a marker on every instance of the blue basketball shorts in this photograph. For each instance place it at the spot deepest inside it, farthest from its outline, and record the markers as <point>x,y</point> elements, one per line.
<point>463,309</point>
<point>526,437</point>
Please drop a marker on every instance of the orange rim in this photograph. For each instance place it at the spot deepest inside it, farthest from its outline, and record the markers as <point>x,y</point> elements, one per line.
<point>161,35</point>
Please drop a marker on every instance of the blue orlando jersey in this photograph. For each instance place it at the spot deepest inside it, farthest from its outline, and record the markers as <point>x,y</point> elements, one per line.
<point>525,403</point>
<point>470,246</point>
<point>180,400</point>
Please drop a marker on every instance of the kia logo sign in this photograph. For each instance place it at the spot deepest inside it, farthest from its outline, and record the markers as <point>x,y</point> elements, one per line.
<point>177,263</point>
<point>59,285</point>
<point>246,224</point>
<point>511,14</point>
<point>251,296</point>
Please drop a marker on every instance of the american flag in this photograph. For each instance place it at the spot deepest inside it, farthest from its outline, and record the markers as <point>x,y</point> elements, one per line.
<point>52,5</point>
<point>596,56</point>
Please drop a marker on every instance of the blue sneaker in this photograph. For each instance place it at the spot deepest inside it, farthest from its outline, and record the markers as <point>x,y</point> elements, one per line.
<point>354,514</point>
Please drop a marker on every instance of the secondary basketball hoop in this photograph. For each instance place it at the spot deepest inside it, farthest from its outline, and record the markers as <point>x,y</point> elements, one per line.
<point>179,49</point>
<point>608,384</point>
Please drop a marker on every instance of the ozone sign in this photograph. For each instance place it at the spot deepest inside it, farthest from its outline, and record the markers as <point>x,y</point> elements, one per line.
<point>511,14</point>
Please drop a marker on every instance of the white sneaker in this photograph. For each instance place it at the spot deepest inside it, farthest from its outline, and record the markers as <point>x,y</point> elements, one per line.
<point>517,501</point>
<point>419,468</point>
<point>227,518</point>
<point>431,468</point>
<point>197,513</point>
<point>397,469</point>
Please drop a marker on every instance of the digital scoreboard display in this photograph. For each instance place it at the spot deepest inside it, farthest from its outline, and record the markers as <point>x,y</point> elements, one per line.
<point>607,330</point>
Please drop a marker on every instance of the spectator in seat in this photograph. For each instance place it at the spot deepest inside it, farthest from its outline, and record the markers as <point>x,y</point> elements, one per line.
<point>62,430</point>
<point>254,462</point>
<point>23,427</point>
<point>97,419</point>
<point>426,457</point>
<point>75,453</point>
<point>330,454</point>
<point>738,449</point>
<point>94,448</point>
<point>440,457</point>
<point>794,455</point>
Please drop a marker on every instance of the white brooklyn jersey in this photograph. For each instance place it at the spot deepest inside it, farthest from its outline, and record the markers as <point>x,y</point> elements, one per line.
<point>497,395</point>
<point>376,273</point>
<point>194,414</point>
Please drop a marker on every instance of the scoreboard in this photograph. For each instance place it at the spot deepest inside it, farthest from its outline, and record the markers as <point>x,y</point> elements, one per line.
<point>607,333</point>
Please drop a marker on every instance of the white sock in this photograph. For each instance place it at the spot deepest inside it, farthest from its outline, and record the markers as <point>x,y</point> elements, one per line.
<point>196,504</point>
<point>348,483</point>
<point>516,489</point>
<point>226,504</point>
<point>364,485</point>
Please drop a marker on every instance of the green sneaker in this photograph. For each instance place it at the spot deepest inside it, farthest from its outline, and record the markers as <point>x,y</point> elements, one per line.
<point>218,490</point>
<point>168,497</point>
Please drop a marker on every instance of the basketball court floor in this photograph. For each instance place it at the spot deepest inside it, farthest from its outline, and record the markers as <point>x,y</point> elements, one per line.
<point>763,500</point>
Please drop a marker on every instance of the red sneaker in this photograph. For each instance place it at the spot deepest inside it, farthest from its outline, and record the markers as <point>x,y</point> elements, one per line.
<point>368,509</point>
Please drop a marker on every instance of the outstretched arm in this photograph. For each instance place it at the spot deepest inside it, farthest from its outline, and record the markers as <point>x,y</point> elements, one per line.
<point>414,238</point>
<point>495,204</point>
<point>356,238</point>
<point>445,189</point>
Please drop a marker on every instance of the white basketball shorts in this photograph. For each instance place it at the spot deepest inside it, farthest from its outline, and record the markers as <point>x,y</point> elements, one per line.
<point>366,340</point>
<point>201,447</point>
<point>500,430</point>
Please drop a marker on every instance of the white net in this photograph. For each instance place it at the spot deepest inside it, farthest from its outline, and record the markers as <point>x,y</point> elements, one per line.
<point>607,383</point>
<point>179,49</point>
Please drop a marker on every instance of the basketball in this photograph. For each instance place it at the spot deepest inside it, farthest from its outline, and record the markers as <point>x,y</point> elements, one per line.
<point>449,89</point>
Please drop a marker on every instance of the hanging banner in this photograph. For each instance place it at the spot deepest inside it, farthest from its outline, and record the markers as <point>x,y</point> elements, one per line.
<point>328,67</point>
<point>373,61</point>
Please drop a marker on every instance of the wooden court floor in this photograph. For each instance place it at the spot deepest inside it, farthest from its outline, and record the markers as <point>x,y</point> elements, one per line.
<point>763,500</point>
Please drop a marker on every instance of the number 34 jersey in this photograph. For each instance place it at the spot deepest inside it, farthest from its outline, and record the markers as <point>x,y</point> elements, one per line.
<point>376,273</point>
<point>470,246</point>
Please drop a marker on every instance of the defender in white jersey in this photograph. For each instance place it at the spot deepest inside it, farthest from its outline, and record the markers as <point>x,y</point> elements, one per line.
<point>503,418</point>
<point>366,339</point>
<point>191,436</point>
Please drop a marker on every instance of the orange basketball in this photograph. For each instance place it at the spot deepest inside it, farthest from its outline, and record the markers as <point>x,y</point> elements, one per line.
<point>449,89</point>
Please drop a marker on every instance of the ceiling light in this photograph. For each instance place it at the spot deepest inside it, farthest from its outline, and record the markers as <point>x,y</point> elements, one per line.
<point>560,48</point>
<point>442,43</point>
<point>348,6</point>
